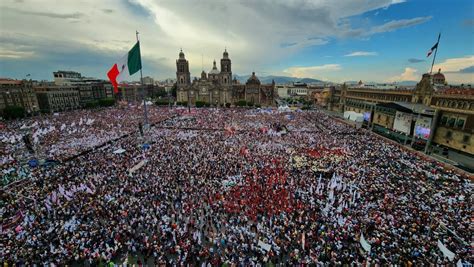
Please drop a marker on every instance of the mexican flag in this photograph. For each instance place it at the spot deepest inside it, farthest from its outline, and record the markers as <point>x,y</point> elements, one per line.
<point>435,46</point>
<point>125,67</point>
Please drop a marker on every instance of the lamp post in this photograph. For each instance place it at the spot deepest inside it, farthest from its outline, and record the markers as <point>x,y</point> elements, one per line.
<point>189,102</point>
<point>169,100</point>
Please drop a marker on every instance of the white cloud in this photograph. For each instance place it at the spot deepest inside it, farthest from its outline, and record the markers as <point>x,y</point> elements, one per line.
<point>410,74</point>
<point>455,64</point>
<point>254,32</point>
<point>361,54</point>
<point>454,69</point>
<point>311,71</point>
<point>15,54</point>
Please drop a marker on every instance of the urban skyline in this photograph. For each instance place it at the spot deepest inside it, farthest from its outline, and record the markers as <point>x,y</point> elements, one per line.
<point>382,41</point>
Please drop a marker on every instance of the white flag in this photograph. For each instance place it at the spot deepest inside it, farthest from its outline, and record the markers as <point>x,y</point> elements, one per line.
<point>303,241</point>
<point>365,245</point>
<point>446,252</point>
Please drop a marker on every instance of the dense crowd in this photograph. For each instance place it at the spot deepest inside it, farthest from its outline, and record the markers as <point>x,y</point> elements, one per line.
<point>240,187</point>
<point>58,137</point>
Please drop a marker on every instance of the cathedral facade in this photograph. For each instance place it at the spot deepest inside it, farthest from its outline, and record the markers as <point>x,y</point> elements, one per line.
<point>217,87</point>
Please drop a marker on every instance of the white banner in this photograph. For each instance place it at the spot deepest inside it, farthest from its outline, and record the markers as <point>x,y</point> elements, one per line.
<point>365,245</point>
<point>446,252</point>
<point>402,122</point>
<point>264,246</point>
<point>136,167</point>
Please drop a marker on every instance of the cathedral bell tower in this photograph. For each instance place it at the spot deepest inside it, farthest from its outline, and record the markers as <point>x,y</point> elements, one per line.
<point>226,70</point>
<point>183,76</point>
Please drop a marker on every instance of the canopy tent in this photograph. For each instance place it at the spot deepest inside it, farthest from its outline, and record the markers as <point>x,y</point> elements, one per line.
<point>119,151</point>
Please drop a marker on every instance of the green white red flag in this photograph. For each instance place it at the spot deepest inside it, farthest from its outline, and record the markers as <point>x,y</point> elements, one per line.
<point>125,67</point>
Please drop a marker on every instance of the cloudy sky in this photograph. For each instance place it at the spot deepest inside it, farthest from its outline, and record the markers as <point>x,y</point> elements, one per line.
<point>336,40</point>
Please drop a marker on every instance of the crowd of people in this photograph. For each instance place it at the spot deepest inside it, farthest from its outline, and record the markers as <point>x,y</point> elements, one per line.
<point>237,187</point>
<point>58,137</point>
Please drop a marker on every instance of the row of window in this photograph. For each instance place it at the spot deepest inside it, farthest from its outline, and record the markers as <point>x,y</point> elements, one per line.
<point>56,101</point>
<point>384,97</point>
<point>292,90</point>
<point>455,104</point>
<point>454,122</point>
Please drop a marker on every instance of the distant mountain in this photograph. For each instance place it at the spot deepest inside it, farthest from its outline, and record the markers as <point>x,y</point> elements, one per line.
<point>277,79</point>
<point>407,83</point>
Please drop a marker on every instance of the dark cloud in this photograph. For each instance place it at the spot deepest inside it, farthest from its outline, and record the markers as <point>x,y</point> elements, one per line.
<point>415,60</point>
<point>467,70</point>
<point>108,10</point>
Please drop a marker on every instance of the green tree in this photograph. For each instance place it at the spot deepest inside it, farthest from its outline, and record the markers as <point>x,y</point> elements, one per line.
<point>162,103</point>
<point>241,103</point>
<point>200,104</point>
<point>92,104</point>
<point>14,112</point>
<point>107,102</point>
<point>173,90</point>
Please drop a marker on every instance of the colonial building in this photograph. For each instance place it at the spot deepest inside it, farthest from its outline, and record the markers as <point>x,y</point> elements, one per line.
<point>218,88</point>
<point>90,89</point>
<point>455,120</point>
<point>18,93</point>
<point>253,92</point>
<point>430,110</point>
<point>54,98</point>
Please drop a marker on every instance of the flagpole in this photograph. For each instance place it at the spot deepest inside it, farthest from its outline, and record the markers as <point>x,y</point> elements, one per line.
<point>434,57</point>
<point>143,89</point>
<point>436,114</point>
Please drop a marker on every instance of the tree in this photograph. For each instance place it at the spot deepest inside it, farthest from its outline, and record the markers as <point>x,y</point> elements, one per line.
<point>241,103</point>
<point>107,102</point>
<point>14,112</point>
<point>173,90</point>
<point>200,104</point>
<point>92,104</point>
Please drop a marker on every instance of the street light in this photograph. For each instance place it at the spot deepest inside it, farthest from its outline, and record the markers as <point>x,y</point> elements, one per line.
<point>189,102</point>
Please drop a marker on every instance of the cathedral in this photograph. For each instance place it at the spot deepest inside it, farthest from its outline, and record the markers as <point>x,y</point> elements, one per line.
<point>217,87</point>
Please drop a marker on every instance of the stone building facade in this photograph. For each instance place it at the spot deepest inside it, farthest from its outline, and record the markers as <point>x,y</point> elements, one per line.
<point>455,126</point>
<point>18,93</point>
<point>451,109</point>
<point>55,98</point>
<point>217,87</point>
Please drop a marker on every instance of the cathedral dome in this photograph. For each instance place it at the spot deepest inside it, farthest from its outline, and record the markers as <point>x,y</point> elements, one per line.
<point>438,78</point>
<point>226,55</point>
<point>181,54</point>
<point>253,79</point>
<point>439,75</point>
<point>214,69</point>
